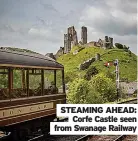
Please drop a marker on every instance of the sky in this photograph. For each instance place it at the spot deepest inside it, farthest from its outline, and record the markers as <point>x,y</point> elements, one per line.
<point>40,25</point>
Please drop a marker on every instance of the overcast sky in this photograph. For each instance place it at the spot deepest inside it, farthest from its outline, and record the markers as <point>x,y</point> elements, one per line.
<point>39,25</point>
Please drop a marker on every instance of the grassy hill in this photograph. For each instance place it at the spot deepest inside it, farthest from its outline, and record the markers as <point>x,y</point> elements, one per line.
<point>127,62</point>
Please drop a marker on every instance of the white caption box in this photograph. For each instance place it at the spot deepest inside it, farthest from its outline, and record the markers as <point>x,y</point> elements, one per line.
<point>113,119</point>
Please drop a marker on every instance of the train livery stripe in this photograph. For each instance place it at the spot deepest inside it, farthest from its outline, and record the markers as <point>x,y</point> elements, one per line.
<point>30,100</point>
<point>31,104</point>
<point>27,117</point>
<point>28,112</point>
<point>25,109</point>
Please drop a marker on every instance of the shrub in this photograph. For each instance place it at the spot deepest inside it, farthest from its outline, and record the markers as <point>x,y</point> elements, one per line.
<point>81,92</point>
<point>91,72</point>
<point>99,90</point>
<point>110,75</point>
<point>93,96</point>
<point>105,86</point>
<point>119,46</point>
<point>78,90</point>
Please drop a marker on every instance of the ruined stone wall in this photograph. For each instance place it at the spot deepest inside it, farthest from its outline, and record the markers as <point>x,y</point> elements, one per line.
<point>84,35</point>
<point>93,44</point>
<point>67,43</point>
<point>59,52</point>
<point>71,30</point>
<point>111,42</point>
<point>85,65</point>
<point>101,42</point>
<point>73,33</point>
<point>70,39</point>
<point>90,44</point>
<point>108,42</point>
<point>75,38</point>
<point>97,56</point>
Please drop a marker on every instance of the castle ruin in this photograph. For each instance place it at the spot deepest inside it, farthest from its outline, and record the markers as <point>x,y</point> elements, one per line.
<point>71,39</point>
<point>107,43</point>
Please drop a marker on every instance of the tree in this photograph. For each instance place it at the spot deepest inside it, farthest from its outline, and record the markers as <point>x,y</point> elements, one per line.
<point>93,96</point>
<point>110,75</point>
<point>81,92</point>
<point>78,90</point>
<point>91,72</point>
<point>119,46</point>
<point>105,86</point>
<point>99,89</point>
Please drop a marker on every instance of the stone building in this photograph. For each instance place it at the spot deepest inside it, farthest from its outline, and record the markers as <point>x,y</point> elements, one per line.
<point>129,87</point>
<point>84,35</point>
<point>106,43</point>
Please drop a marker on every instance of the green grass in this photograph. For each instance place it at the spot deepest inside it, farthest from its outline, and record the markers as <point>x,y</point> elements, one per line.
<point>71,61</point>
<point>127,63</point>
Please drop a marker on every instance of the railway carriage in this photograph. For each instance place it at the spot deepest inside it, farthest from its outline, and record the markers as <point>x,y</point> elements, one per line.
<point>30,87</point>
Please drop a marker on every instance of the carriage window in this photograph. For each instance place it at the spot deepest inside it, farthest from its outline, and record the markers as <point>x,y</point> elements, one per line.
<point>18,89</point>
<point>49,82</point>
<point>35,84</point>
<point>59,83</point>
<point>4,91</point>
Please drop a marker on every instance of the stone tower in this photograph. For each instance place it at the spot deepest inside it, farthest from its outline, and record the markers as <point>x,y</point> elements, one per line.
<point>111,42</point>
<point>67,43</point>
<point>106,42</point>
<point>70,39</point>
<point>84,35</point>
<point>73,33</point>
<point>71,30</point>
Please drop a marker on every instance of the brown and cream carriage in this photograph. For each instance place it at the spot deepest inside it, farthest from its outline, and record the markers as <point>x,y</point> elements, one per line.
<point>30,87</point>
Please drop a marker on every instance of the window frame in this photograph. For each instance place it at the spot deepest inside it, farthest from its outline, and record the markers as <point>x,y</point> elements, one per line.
<point>10,80</point>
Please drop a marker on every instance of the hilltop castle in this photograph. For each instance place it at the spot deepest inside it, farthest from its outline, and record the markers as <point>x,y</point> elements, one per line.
<point>71,39</point>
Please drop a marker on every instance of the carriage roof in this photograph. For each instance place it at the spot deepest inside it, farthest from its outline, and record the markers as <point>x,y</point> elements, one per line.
<point>27,60</point>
